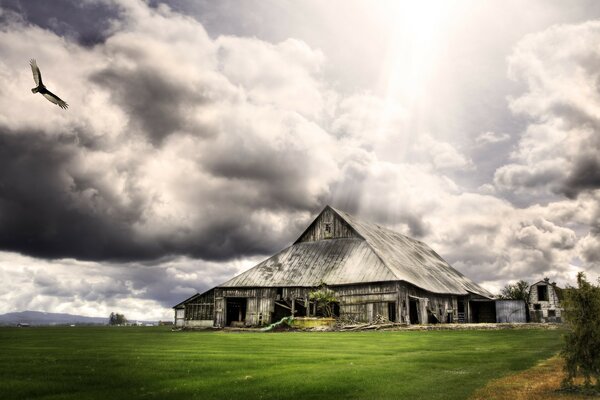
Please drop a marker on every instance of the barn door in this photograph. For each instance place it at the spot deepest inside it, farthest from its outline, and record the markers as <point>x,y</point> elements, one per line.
<point>413,312</point>
<point>236,311</point>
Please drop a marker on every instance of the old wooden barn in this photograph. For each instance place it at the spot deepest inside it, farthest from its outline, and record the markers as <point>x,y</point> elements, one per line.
<point>373,272</point>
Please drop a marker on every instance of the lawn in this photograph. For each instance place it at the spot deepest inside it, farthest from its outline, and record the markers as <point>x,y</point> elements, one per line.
<point>155,363</point>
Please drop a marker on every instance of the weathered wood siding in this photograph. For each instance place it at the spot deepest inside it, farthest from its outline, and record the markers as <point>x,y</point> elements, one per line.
<point>259,307</point>
<point>338,228</point>
<point>512,311</point>
<point>365,302</point>
<point>198,311</point>
<point>440,304</point>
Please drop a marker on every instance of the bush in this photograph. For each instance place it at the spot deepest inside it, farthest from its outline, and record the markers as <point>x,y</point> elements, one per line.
<point>582,343</point>
<point>324,299</point>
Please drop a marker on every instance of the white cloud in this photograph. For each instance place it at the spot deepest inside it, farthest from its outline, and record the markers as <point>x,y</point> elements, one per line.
<point>491,138</point>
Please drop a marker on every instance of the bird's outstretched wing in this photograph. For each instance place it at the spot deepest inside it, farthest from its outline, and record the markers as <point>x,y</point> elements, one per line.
<point>55,99</point>
<point>37,75</point>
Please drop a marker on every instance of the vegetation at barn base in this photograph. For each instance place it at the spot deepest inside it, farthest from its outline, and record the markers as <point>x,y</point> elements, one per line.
<point>324,299</point>
<point>155,363</point>
<point>582,342</point>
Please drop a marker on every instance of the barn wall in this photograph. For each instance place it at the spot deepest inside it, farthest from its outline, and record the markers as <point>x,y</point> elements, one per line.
<point>367,301</point>
<point>259,307</point>
<point>196,311</point>
<point>432,303</point>
<point>316,231</point>
<point>512,311</point>
<point>179,316</point>
<point>363,302</point>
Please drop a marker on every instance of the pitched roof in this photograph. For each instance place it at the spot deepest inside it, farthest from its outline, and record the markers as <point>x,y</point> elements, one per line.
<point>376,254</point>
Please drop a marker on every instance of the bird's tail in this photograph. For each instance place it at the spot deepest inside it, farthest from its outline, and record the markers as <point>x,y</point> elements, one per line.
<point>34,90</point>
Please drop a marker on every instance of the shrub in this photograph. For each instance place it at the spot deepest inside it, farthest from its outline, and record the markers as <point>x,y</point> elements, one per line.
<point>325,299</point>
<point>582,343</point>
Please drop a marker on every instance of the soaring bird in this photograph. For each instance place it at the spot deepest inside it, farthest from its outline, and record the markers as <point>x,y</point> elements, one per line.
<point>37,77</point>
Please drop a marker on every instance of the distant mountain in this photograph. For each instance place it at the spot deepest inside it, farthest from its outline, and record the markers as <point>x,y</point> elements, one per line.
<point>43,318</point>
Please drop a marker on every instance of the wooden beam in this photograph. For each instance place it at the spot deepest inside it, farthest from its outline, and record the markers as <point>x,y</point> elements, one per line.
<point>283,305</point>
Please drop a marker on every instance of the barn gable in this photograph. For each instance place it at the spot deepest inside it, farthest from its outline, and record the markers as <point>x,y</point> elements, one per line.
<point>338,249</point>
<point>328,225</point>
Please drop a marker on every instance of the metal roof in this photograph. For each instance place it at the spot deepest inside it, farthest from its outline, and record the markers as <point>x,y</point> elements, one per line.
<point>378,255</point>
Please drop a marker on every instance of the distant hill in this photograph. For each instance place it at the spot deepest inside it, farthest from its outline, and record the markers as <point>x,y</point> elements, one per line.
<point>43,318</point>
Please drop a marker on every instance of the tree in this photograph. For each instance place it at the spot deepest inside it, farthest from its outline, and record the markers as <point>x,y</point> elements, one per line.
<point>116,319</point>
<point>581,350</point>
<point>325,299</point>
<point>516,291</point>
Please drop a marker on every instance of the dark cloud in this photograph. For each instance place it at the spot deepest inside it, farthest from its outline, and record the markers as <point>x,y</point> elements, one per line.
<point>51,206</point>
<point>584,176</point>
<point>86,22</point>
<point>156,105</point>
<point>39,188</point>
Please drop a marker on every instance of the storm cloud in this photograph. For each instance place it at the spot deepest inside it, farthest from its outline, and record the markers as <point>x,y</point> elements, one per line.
<point>185,157</point>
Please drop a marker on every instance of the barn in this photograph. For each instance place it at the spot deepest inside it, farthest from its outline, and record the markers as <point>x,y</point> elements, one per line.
<point>373,273</point>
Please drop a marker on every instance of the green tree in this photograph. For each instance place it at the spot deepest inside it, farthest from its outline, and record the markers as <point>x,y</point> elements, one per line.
<point>325,299</point>
<point>582,342</point>
<point>516,291</point>
<point>116,319</point>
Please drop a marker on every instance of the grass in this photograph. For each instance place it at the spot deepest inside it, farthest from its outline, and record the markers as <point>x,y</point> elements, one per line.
<point>542,382</point>
<point>155,363</point>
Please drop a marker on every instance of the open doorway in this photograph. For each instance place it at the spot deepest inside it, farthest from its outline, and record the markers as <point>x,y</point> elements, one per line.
<point>236,311</point>
<point>413,312</point>
<point>392,311</point>
<point>483,311</point>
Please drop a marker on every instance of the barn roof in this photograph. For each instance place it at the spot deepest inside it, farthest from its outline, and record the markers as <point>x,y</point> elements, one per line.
<point>375,254</point>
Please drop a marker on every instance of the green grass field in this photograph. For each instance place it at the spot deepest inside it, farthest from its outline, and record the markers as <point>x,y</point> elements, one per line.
<point>155,363</point>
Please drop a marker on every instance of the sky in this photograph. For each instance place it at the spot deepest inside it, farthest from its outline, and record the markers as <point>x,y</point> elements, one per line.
<point>202,137</point>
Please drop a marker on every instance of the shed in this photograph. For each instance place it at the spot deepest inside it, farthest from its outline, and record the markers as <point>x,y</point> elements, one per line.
<point>544,302</point>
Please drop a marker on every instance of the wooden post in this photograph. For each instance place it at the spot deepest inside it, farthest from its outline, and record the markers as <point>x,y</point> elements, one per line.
<point>293,307</point>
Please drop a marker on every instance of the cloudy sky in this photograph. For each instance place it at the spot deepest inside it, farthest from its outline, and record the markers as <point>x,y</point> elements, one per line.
<point>204,136</point>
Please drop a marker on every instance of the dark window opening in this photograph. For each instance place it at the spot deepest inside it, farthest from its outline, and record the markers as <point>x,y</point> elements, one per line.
<point>542,292</point>
<point>392,312</point>
<point>300,308</point>
<point>236,311</point>
<point>460,311</point>
<point>537,307</point>
<point>412,312</point>
<point>281,310</point>
<point>279,293</point>
<point>551,313</point>
<point>328,229</point>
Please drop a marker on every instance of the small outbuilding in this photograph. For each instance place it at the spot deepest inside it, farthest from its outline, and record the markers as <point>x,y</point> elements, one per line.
<point>544,302</point>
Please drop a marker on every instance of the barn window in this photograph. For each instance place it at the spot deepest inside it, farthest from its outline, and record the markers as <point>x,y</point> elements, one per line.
<point>328,227</point>
<point>543,293</point>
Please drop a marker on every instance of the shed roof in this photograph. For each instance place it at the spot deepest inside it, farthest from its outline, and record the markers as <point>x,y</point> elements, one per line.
<point>377,254</point>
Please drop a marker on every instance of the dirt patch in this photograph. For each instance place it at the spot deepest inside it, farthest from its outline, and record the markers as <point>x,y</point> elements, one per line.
<point>537,383</point>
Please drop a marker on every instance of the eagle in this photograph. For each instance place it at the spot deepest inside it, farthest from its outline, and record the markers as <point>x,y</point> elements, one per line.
<point>37,77</point>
